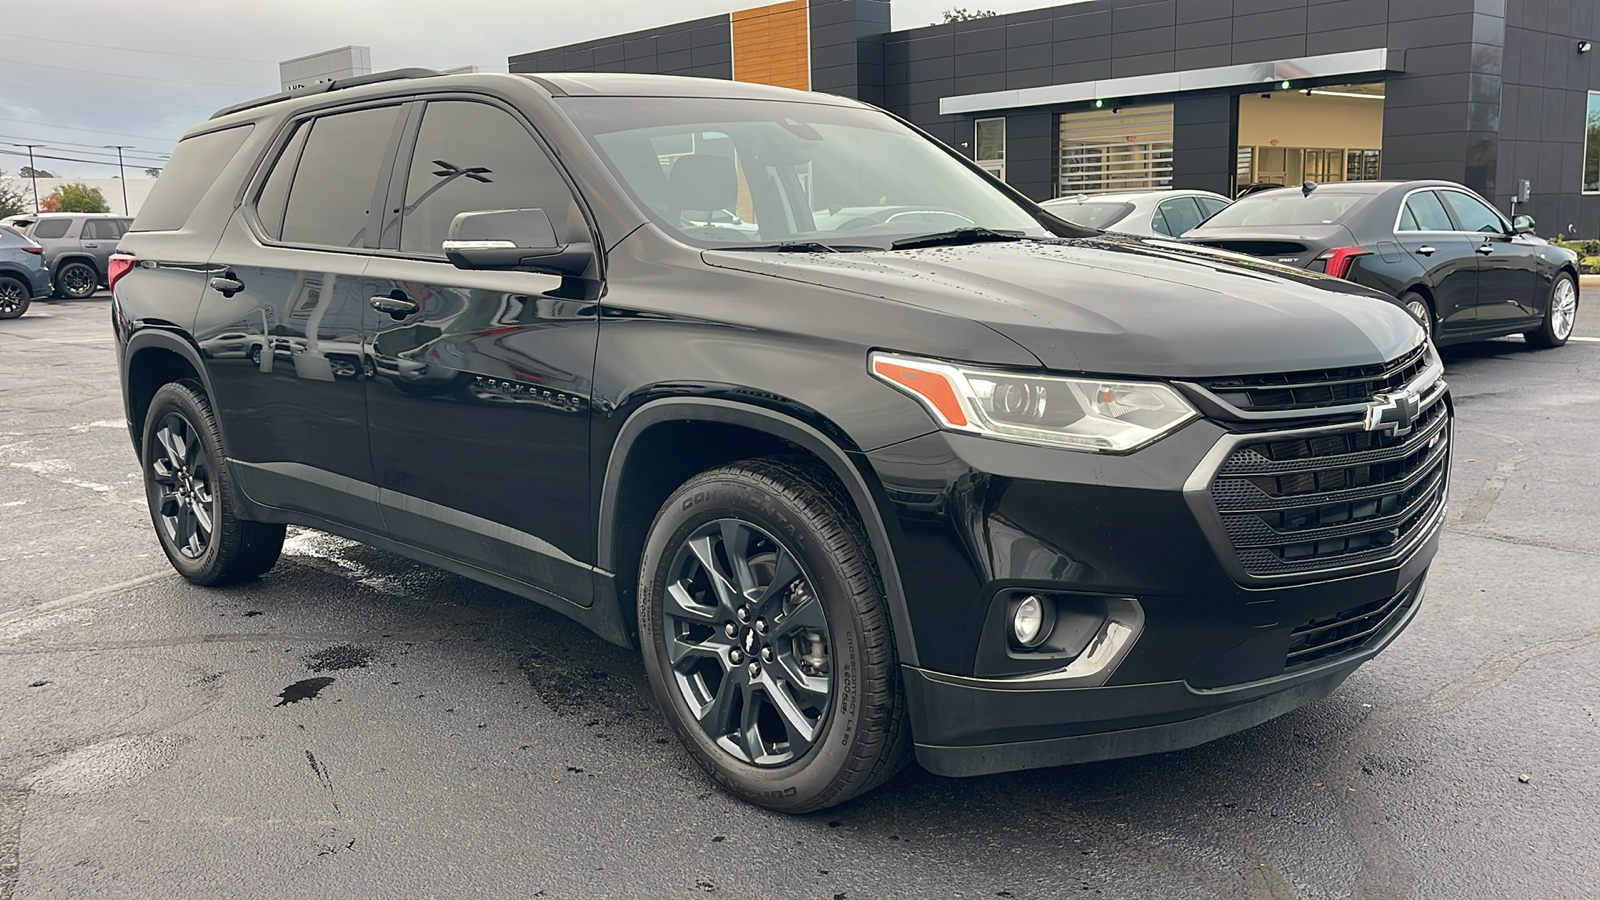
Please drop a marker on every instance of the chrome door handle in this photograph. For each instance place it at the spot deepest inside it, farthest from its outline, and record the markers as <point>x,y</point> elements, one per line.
<point>91,246</point>
<point>1425,250</point>
<point>227,285</point>
<point>398,307</point>
<point>1485,249</point>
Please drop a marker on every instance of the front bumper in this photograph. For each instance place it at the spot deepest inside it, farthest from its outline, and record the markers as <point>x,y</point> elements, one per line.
<point>971,726</point>
<point>1216,651</point>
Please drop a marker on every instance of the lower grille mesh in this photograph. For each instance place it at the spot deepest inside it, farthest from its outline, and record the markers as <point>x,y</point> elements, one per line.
<point>1348,631</point>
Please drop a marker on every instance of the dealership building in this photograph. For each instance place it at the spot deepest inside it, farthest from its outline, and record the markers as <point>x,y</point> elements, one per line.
<point>1111,95</point>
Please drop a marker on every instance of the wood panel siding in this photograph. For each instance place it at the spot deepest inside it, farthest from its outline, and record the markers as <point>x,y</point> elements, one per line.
<point>772,45</point>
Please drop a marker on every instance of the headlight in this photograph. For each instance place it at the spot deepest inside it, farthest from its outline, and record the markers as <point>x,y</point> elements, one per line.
<point>1093,414</point>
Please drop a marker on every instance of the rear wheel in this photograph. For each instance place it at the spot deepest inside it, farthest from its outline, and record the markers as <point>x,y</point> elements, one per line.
<point>1417,306</point>
<point>14,297</point>
<point>76,280</point>
<point>192,500</point>
<point>1560,314</point>
<point>766,636</point>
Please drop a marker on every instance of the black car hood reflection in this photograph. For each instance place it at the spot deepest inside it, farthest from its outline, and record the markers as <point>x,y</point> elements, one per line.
<point>1122,305</point>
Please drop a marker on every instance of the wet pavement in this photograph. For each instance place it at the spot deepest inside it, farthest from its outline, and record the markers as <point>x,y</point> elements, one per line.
<point>357,725</point>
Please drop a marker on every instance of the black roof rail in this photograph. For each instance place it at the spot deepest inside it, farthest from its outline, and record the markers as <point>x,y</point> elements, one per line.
<point>335,85</point>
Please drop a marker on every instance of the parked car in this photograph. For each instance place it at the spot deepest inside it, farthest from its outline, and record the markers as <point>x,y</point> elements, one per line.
<point>1004,495</point>
<point>77,248</point>
<point>1454,262</point>
<point>23,276</point>
<point>1148,213</point>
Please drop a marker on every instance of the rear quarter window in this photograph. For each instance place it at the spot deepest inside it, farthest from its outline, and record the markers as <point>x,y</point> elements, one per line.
<point>191,171</point>
<point>48,229</point>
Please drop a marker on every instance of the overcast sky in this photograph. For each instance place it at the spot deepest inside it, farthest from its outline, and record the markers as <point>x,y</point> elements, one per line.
<point>140,73</point>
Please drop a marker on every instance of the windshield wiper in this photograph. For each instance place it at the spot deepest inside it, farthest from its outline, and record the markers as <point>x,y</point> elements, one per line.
<point>968,235</point>
<point>798,247</point>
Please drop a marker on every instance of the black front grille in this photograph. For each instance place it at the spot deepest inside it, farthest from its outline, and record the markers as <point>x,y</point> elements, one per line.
<point>1348,631</point>
<point>1296,505</point>
<point>1321,387</point>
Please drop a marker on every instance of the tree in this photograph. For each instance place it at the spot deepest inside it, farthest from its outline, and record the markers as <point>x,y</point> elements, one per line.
<point>75,196</point>
<point>153,172</point>
<point>962,14</point>
<point>12,201</point>
<point>31,172</point>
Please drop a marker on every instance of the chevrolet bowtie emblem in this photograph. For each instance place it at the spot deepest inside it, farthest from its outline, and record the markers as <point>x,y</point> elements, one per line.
<point>1393,414</point>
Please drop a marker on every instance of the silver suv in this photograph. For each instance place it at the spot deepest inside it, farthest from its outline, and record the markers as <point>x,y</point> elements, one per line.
<point>77,248</point>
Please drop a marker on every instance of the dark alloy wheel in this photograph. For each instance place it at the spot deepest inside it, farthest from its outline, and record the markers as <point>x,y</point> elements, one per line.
<point>766,636</point>
<point>191,498</point>
<point>1560,314</point>
<point>747,640</point>
<point>185,504</point>
<point>76,280</point>
<point>14,297</point>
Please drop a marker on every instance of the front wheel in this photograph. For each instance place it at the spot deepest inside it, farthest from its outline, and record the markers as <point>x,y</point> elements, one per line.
<point>14,297</point>
<point>766,636</point>
<point>192,500</point>
<point>1560,314</point>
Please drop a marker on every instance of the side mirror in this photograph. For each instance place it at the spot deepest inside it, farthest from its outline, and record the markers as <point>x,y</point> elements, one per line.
<point>1522,225</point>
<point>516,239</point>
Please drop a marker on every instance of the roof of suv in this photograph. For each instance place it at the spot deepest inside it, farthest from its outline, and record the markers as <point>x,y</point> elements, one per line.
<point>560,84</point>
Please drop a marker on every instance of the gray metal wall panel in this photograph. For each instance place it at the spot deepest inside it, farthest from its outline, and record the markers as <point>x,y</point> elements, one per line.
<point>701,47</point>
<point>1542,119</point>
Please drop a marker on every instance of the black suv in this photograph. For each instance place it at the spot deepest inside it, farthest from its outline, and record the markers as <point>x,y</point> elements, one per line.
<point>868,454</point>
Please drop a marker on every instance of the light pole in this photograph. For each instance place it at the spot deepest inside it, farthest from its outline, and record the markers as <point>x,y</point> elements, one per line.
<point>121,176</point>
<point>33,174</point>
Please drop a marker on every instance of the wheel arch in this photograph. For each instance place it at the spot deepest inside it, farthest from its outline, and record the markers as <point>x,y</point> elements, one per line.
<point>156,357</point>
<point>638,480</point>
<point>72,256</point>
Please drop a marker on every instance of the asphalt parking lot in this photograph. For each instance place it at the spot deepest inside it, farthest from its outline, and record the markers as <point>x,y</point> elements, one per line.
<point>356,725</point>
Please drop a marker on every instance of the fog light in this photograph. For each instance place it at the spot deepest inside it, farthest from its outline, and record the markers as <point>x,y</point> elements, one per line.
<point>1031,620</point>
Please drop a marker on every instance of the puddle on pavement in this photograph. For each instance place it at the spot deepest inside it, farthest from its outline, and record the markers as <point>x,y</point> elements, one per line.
<point>302,690</point>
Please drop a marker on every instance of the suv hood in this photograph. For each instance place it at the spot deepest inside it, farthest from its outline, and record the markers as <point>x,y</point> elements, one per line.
<point>1125,306</point>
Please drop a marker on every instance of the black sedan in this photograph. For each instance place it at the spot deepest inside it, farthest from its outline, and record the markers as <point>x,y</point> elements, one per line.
<point>1450,258</point>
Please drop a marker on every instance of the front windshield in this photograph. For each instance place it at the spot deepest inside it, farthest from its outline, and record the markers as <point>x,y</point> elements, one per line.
<point>1287,207</point>
<point>730,172</point>
<point>1092,215</point>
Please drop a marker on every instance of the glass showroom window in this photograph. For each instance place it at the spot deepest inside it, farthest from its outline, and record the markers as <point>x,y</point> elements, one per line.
<point>1591,146</point>
<point>989,146</point>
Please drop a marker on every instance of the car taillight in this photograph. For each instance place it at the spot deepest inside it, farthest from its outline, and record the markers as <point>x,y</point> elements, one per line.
<point>36,250</point>
<point>121,264</point>
<point>1337,261</point>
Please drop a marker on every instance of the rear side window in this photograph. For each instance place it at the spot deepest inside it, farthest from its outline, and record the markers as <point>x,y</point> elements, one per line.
<point>101,230</point>
<point>47,229</point>
<point>337,177</point>
<point>1210,205</point>
<point>192,170</point>
<point>1174,217</point>
<point>1424,212</point>
<point>473,156</point>
<point>274,197</point>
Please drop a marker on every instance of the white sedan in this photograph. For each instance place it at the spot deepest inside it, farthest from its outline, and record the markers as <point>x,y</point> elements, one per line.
<point>1148,213</point>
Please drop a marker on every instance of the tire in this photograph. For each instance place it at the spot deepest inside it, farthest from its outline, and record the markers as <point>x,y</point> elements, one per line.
<point>14,297</point>
<point>1419,308</point>
<point>1560,314</point>
<point>76,280</point>
<point>191,495</point>
<point>826,710</point>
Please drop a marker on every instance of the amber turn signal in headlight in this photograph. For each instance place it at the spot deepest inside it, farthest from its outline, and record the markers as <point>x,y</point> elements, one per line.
<point>1092,414</point>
